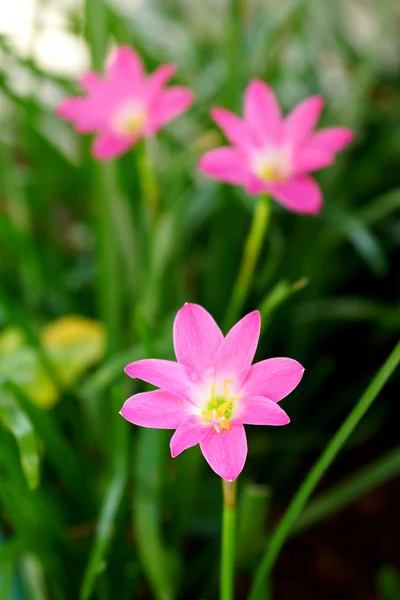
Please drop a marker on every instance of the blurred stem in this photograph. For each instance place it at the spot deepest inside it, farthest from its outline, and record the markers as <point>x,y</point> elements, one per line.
<point>234,53</point>
<point>228,540</point>
<point>317,471</point>
<point>148,183</point>
<point>251,253</point>
<point>96,28</point>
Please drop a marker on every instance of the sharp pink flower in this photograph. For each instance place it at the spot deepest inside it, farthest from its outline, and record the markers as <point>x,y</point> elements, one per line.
<point>273,155</point>
<point>212,390</point>
<point>125,105</point>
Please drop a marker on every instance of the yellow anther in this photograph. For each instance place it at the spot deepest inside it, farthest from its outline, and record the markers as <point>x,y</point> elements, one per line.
<point>213,400</point>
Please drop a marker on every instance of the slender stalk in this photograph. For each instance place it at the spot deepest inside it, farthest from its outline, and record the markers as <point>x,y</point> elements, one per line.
<point>317,471</point>
<point>148,184</point>
<point>251,253</point>
<point>228,540</point>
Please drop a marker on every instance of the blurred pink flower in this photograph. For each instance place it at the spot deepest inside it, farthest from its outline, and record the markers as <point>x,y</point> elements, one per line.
<point>212,391</point>
<point>125,105</point>
<point>274,155</point>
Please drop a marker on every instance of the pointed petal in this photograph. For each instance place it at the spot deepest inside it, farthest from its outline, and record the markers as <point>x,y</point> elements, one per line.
<point>157,80</point>
<point>310,158</point>
<point>300,123</point>
<point>189,433</point>
<point>170,104</point>
<point>125,71</point>
<point>108,145</point>
<point>226,451</point>
<point>158,409</point>
<point>91,82</point>
<point>236,131</point>
<point>237,351</point>
<point>333,139</point>
<point>197,338</point>
<point>225,164</point>
<point>257,410</point>
<point>273,378</point>
<point>165,374</point>
<point>262,112</point>
<point>301,195</point>
<point>82,113</point>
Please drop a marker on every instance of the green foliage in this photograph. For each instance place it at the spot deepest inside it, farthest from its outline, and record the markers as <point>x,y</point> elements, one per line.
<point>89,506</point>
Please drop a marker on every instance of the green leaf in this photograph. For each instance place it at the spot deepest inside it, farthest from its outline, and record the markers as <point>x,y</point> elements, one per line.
<point>22,429</point>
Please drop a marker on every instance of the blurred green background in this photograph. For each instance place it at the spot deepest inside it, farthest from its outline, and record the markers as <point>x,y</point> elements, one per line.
<point>91,507</point>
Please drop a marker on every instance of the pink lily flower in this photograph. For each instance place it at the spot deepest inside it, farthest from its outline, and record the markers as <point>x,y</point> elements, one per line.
<point>273,155</point>
<point>212,391</point>
<point>124,105</point>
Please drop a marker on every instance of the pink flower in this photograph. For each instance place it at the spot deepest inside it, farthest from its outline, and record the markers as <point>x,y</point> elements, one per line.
<point>274,155</point>
<point>125,105</point>
<point>212,391</point>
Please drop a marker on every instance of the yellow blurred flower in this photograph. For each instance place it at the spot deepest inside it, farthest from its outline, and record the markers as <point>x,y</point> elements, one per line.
<point>73,344</point>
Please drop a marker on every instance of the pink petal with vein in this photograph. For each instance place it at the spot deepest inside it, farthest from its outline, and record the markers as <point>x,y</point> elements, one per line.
<point>301,195</point>
<point>333,139</point>
<point>225,164</point>
<point>262,112</point>
<point>155,409</point>
<point>273,378</point>
<point>189,433</point>
<point>82,112</point>
<point>311,158</point>
<point>197,337</point>
<point>235,129</point>
<point>108,145</point>
<point>226,451</point>
<point>171,103</point>
<point>91,82</point>
<point>125,72</point>
<point>300,123</point>
<point>237,351</point>
<point>157,80</point>
<point>257,410</point>
<point>165,374</point>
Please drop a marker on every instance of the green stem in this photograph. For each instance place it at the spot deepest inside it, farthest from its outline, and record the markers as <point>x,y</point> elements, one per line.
<point>148,184</point>
<point>317,471</point>
<point>228,540</point>
<point>251,253</point>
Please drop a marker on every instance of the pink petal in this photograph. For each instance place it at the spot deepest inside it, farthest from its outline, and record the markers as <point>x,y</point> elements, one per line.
<point>262,112</point>
<point>197,337</point>
<point>333,139</point>
<point>125,72</point>
<point>256,186</point>
<point>257,410</point>
<point>237,351</point>
<point>301,195</point>
<point>226,451</point>
<point>109,145</point>
<point>165,374</point>
<point>157,409</point>
<point>300,123</point>
<point>189,433</point>
<point>171,103</point>
<point>310,158</point>
<point>236,131</point>
<point>273,378</point>
<point>82,113</point>
<point>157,80</point>
<point>225,164</point>
<point>91,82</point>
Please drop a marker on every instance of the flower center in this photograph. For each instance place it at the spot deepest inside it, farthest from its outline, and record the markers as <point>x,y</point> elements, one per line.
<point>271,166</point>
<point>218,410</point>
<point>129,119</point>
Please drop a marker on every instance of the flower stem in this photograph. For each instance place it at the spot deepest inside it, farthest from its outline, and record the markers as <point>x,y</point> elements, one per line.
<point>251,253</point>
<point>148,184</point>
<point>317,471</point>
<point>228,540</point>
